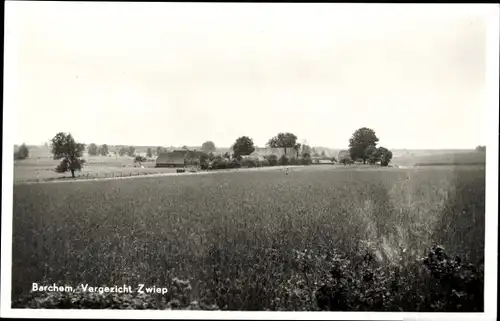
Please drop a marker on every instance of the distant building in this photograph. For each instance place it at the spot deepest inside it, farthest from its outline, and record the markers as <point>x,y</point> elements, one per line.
<point>171,159</point>
<point>343,154</point>
<point>177,157</point>
<point>280,151</point>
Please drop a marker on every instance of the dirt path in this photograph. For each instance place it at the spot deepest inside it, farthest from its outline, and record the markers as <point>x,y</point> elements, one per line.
<point>69,180</point>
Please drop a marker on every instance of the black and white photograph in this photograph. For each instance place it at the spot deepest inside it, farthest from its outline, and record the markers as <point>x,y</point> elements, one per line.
<point>250,160</point>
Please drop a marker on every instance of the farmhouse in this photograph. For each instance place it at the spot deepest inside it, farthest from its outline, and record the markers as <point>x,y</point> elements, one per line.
<point>171,159</point>
<point>266,151</point>
<point>343,154</point>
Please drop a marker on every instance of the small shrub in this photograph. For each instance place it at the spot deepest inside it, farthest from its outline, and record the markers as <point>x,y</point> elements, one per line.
<point>264,163</point>
<point>306,161</point>
<point>272,159</point>
<point>294,161</point>
<point>220,163</point>
<point>283,160</point>
<point>249,162</point>
<point>346,161</point>
<point>234,163</point>
<point>237,156</point>
<point>460,286</point>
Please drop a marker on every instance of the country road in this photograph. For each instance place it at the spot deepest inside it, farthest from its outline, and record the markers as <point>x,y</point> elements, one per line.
<point>69,180</point>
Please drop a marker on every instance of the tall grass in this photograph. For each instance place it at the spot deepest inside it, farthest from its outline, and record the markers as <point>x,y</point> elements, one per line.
<point>246,240</point>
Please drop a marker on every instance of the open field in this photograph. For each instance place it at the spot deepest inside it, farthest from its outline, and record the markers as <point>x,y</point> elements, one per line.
<point>239,237</point>
<point>471,158</point>
<point>40,167</point>
<point>431,158</point>
<point>32,170</point>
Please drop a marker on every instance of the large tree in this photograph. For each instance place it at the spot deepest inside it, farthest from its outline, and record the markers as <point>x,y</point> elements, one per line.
<point>22,152</point>
<point>288,140</point>
<point>306,150</point>
<point>208,147</point>
<point>243,146</point>
<point>103,150</point>
<point>131,151</point>
<point>123,151</point>
<point>362,139</point>
<point>65,147</point>
<point>385,156</point>
<point>284,140</point>
<point>92,149</point>
<point>373,155</point>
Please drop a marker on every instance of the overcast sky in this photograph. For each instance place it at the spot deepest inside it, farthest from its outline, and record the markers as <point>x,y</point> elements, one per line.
<point>174,74</point>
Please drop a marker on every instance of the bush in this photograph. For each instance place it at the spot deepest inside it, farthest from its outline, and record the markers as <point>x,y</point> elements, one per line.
<point>220,163</point>
<point>283,160</point>
<point>459,286</point>
<point>204,165</point>
<point>234,163</point>
<point>294,161</point>
<point>346,161</point>
<point>264,163</point>
<point>249,162</point>
<point>329,280</point>
<point>204,158</point>
<point>272,159</point>
<point>306,161</point>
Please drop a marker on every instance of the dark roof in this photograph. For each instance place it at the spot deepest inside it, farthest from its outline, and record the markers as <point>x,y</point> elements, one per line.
<point>175,157</point>
<point>343,153</point>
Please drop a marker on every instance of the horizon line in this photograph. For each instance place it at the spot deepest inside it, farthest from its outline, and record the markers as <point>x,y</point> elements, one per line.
<point>228,147</point>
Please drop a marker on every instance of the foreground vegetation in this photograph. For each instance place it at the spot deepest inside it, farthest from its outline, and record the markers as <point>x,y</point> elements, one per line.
<point>316,239</point>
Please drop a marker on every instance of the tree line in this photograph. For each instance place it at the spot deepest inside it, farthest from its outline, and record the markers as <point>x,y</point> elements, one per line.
<point>362,147</point>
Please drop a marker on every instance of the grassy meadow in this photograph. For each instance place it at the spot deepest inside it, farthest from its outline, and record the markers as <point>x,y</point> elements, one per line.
<point>42,169</point>
<point>39,167</point>
<point>247,240</point>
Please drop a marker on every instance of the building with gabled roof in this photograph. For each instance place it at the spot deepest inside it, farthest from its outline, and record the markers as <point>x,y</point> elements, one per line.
<point>343,154</point>
<point>175,158</point>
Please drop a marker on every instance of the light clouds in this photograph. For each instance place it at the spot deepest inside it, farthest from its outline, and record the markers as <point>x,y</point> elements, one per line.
<point>174,74</point>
